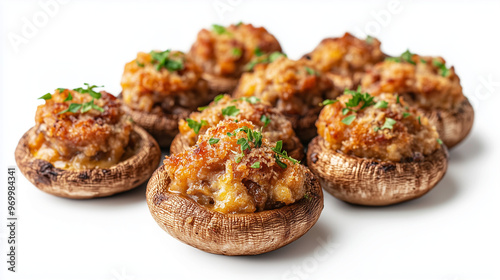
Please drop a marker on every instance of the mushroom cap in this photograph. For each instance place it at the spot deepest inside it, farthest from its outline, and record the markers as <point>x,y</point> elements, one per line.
<point>373,182</point>
<point>180,144</point>
<point>231,234</point>
<point>163,128</point>
<point>90,183</point>
<point>452,126</point>
<point>220,85</point>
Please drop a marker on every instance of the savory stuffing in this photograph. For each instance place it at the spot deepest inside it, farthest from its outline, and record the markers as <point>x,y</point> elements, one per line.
<point>425,82</point>
<point>274,125</point>
<point>226,51</point>
<point>346,55</point>
<point>165,82</point>
<point>233,169</point>
<point>293,87</point>
<point>381,127</point>
<point>80,129</point>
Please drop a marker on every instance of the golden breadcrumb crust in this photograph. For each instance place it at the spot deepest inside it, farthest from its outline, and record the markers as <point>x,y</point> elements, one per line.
<point>226,54</point>
<point>411,137</point>
<point>80,140</point>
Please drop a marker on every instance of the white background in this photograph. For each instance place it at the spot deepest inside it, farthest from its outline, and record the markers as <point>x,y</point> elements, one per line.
<point>451,233</point>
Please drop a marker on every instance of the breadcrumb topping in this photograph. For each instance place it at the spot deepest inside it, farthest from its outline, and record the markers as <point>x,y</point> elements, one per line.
<point>394,133</point>
<point>80,140</point>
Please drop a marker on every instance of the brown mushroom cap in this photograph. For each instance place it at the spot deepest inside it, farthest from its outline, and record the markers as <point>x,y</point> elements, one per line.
<point>452,126</point>
<point>374,182</point>
<point>90,183</point>
<point>180,144</point>
<point>220,85</point>
<point>232,234</point>
<point>163,128</point>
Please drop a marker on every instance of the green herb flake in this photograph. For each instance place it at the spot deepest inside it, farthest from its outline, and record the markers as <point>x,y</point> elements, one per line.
<point>258,51</point>
<point>219,29</point>
<point>275,55</point>
<point>89,90</point>
<point>200,109</point>
<point>397,99</point>
<point>440,142</point>
<point>212,141</point>
<point>348,120</point>
<point>46,96</point>
<point>406,114</point>
<point>407,56</point>
<point>73,108</point>
<point>69,97</point>
<point>381,104</point>
<point>218,97</point>
<point>265,120</point>
<point>310,71</point>
<point>389,123</point>
<point>255,164</point>
<point>230,111</point>
<point>236,52</point>
<point>443,71</point>
<point>196,126</point>
<point>163,60</point>
<point>251,99</point>
<point>139,64</point>
<point>369,40</point>
<point>328,102</point>
<point>419,122</point>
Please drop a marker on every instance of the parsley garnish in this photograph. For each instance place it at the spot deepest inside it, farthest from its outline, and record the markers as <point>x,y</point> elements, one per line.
<point>46,96</point>
<point>236,52</point>
<point>397,99</point>
<point>369,39</point>
<point>443,71</point>
<point>310,71</point>
<point>69,98</point>
<point>196,126</point>
<point>381,104</point>
<point>263,59</point>
<point>219,29</point>
<point>162,59</point>
<point>440,141</point>
<point>89,90</point>
<point>218,97</point>
<point>202,108</point>
<point>230,111</point>
<point>258,51</point>
<point>265,120</point>
<point>388,123</point>
<point>348,120</point>
<point>357,98</point>
<point>255,164</point>
<point>406,56</point>
<point>212,141</point>
<point>328,102</point>
<point>419,122</point>
<point>282,154</point>
<point>139,64</point>
<point>406,114</point>
<point>73,108</point>
<point>251,99</point>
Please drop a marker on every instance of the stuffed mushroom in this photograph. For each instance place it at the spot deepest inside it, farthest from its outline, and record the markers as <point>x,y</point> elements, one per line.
<point>427,83</point>
<point>234,193</point>
<point>274,126</point>
<point>160,88</point>
<point>376,150</point>
<point>224,53</point>
<point>84,146</point>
